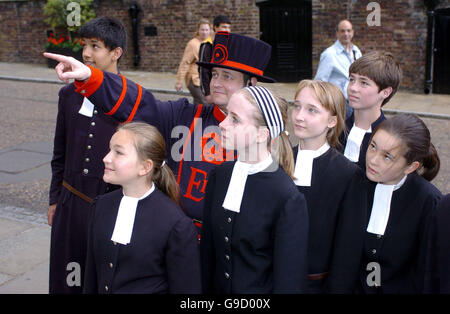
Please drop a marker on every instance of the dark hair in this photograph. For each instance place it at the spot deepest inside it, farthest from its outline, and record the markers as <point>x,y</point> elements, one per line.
<point>150,144</point>
<point>110,30</point>
<point>219,19</point>
<point>382,68</point>
<point>247,78</point>
<point>415,138</point>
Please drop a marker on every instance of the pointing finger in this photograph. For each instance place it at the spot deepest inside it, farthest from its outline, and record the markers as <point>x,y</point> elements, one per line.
<point>57,57</point>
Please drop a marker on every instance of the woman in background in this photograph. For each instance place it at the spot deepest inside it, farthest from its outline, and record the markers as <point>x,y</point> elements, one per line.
<point>188,68</point>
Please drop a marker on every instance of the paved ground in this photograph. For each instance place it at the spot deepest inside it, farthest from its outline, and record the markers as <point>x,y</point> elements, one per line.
<point>27,122</point>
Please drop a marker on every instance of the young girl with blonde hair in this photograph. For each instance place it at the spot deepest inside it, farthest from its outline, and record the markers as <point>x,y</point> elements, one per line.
<point>255,227</point>
<point>330,183</point>
<point>188,68</point>
<point>140,241</point>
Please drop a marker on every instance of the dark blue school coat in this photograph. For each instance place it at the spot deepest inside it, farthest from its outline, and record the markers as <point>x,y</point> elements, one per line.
<point>337,217</point>
<point>401,251</point>
<point>261,249</point>
<point>80,144</point>
<point>437,273</point>
<point>162,257</point>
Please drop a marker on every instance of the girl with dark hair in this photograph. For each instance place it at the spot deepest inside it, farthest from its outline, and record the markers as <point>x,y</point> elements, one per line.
<point>400,161</point>
<point>255,228</point>
<point>318,118</point>
<point>140,241</point>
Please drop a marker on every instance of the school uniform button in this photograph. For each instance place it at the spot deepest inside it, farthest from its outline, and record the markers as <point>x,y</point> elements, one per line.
<point>229,219</point>
<point>95,111</point>
<point>111,265</point>
<point>85,171</point>
<point>227,239</point>
<point>87,160</point>
<point>227,257</point>
<point>227,275</point>
<point>379,236</point>
<point>91,135</point>
<point>374,251</point>
<point>115,243</point>
<point>89,147</point>
<point>93,123</point>
<point>106,288</point>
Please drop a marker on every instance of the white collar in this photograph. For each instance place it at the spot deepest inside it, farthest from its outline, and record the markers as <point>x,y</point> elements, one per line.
<point>87,108</point>
<point>304,164</point>
<point>382,206</point>
<point>354,141</point>
<point>123,228</point>
<point>241,171</point>
<point>343,48</point>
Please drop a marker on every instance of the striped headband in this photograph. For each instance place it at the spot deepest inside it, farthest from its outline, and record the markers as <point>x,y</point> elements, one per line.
<point>269,109</point>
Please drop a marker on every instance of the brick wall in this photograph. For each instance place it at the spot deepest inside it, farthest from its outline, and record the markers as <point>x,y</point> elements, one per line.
<point>176,23</point>
<point>402,31</point>
<point>22,31</point>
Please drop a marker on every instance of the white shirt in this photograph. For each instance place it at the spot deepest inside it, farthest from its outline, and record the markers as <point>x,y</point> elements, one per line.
<point>334,64</point>
<point>354,141</point>
<point>381,207</point>
<point>123,228</point>
<point>241,171</point>
<point>304,164</point>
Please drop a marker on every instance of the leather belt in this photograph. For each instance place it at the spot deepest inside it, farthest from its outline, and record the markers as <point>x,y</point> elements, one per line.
<point>317,276</point>
<point>81,195</point>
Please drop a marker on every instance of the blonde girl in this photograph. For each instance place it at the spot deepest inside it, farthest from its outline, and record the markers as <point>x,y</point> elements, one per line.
<point>330,183</point>
<point>255,227</point>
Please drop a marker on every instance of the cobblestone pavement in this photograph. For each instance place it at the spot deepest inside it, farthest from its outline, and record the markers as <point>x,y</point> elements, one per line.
<point>28,115</point>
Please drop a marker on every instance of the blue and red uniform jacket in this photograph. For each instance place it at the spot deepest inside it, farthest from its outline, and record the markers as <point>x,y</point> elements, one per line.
<point>191,131</point>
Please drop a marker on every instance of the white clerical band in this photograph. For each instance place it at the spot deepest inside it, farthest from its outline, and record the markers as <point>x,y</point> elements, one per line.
<point>236,187</point>
<point>123,229</point>
<point>381,207</point>
<point>354,141</point>
<point>269,109</point>
<point>304,164</point>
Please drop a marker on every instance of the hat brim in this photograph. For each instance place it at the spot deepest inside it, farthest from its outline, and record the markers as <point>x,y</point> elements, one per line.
<point>261,78</point>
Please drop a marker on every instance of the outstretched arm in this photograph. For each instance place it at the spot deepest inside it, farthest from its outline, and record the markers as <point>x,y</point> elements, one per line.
<point>69,68</point>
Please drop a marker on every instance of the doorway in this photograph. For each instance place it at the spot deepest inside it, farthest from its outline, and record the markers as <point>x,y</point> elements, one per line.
<point>287,26</point>
<point>441,68</point>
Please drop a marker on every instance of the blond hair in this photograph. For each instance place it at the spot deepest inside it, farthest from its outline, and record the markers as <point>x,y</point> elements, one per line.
<point>332,99</point>
<point>279,147</point>
<point>201,22</point>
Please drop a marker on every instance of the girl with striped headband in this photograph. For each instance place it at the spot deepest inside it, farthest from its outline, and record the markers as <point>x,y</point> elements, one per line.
<point>254,234</point>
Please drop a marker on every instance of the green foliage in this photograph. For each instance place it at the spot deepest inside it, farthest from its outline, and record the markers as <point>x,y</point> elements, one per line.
<point>56,13</point>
